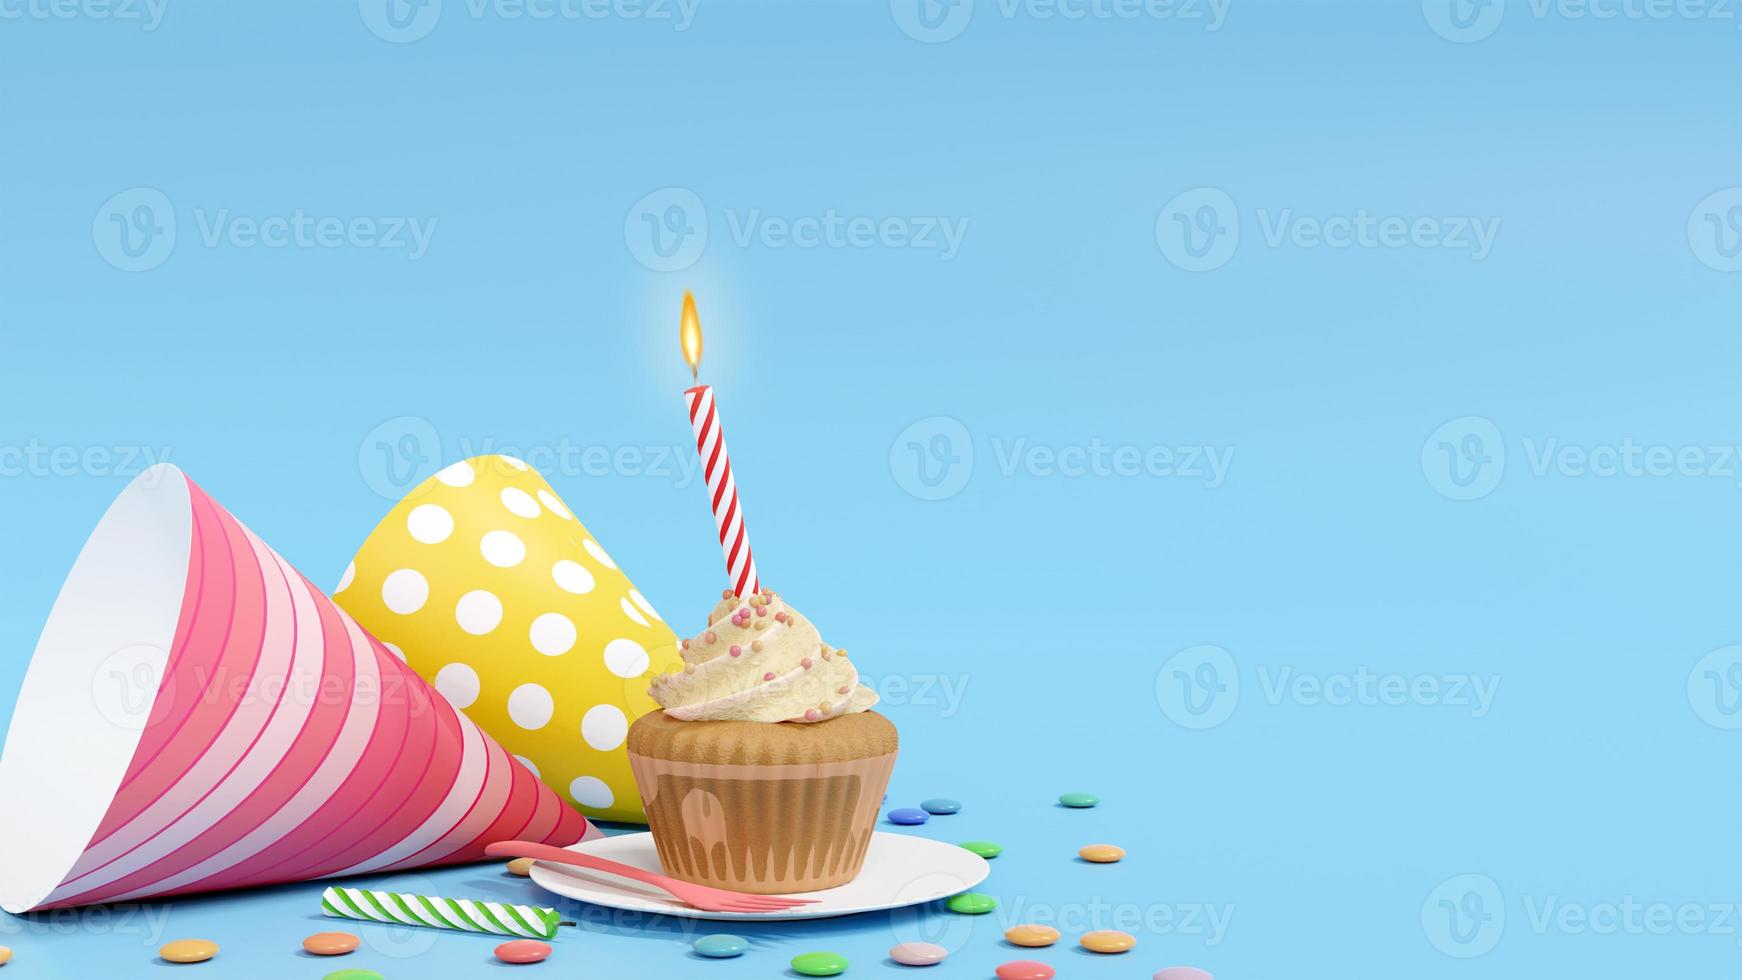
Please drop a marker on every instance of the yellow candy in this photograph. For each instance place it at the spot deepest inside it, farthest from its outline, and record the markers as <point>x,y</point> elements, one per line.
<point>5,956</point>
<point>1101,853</point>
<point>188,951</point>
<point>1108,941</point>
<point>1031,935</point>
<point>520,866</point>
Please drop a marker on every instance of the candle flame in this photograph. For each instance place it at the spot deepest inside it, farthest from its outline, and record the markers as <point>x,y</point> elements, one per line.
<point>690,333</point>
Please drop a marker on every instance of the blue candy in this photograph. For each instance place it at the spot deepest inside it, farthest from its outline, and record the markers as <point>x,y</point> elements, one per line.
<point>721,945</point>
<point>908,816</point>
<point>941,806</point>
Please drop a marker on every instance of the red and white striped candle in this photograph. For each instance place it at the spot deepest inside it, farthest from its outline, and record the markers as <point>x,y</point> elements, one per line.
<point>722,489</point>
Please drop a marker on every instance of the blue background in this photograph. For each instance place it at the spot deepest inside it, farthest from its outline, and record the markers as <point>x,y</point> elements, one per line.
<point>1118,633</point>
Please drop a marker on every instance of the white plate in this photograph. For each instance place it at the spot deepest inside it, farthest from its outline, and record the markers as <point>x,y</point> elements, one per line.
<point>899,870</point>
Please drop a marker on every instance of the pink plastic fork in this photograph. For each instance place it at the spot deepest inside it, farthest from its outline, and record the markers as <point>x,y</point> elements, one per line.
<point>701,896</point>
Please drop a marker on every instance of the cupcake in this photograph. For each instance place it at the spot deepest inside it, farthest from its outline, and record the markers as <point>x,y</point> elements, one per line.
<point>765,769</point>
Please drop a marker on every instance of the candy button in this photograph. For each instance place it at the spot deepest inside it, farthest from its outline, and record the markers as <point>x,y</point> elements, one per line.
<point>1028,934</point>
<point>1108,941</point>
<point>522,951</point>
<point>1079,800</point>
<point>1101,853</point>
<point>1182,973</point>
<point>918,954</point>
<point>330,943</point>
<point>941,806</point>
<point>520,866</point>
<point>353,975</point>
<point>972,903</point>
<point>5,956</point>
<point>984,848</point>
<point>908,816</point>
<point>1024,970</point>
<point>189,951</point>
<point>819,964</point>
<point>720,945</point>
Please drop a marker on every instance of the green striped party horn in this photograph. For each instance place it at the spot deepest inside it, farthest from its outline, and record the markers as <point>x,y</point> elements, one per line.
<point>528,921</point>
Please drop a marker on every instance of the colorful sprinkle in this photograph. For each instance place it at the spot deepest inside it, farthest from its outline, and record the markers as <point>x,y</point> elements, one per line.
<point>984,848</point>
<point>1079,800</point>
<point>819,964</point>
<point>780,617</point>
<point>188,951</point>
<point>523,951</point>
<point>756,646</point>
<point>736,651</point>
<point>1024,970</point>
<point>1101,853</point>
<point>918,954</point>
<point>330,943</point>
<point>908,816</point>
<point>971,903</point>
<point>710,637</point>
<point>768,676</point>
<point>805,663</point>
<point>1108,941</point>
<point>720,945</point>
<point>812,714</point>
<point>1029,934</point>
<point>762,610</point>
<point>940,805</point>
<point>842,689</point>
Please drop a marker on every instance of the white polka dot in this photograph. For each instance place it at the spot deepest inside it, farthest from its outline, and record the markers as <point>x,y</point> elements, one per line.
<point>430,523</point>
<point>626,658</point>
<point>604,727</point>
<point>459,474</point>
<point>598,553</point>
<point>572,577</point>
<point>530,706</point>
<point>393,648</point>
<point>519,502</point>
<point>592,791</point>
<point>523,760</point>
<point>518,464</point>
<point>405,591</point>
<point>641,601</point>
<point>553,634</point>
<point>478,612</point>
<point>346,579</point>
<point>458,683</point>
<point>503,549</point>
<point>632,612</point>
<point>554,505</point>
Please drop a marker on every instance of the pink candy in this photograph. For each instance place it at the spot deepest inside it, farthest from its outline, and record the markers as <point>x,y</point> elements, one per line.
<point>522,951</point>
<point>736,650</point>
<point>768,676</point>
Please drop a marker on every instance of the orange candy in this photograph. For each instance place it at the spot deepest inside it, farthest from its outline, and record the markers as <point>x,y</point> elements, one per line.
<point>1101,853</point>
<point>1029,934</point>
<point>188,951</point>
<point>330,943</point>
<point>1108,941</point>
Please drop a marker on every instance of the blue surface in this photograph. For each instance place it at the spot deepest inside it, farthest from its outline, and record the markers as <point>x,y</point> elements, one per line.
<point>1368,572</point>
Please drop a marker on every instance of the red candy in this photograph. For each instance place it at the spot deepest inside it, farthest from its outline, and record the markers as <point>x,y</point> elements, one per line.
<point>1024,970</point>
<point>528,951</point>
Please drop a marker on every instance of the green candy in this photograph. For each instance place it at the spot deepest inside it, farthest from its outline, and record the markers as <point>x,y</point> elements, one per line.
<point>1079,800</point>
<point>353,975</point>
<point>819,964</point>
<point>984,848</point>
<point>972,903</point>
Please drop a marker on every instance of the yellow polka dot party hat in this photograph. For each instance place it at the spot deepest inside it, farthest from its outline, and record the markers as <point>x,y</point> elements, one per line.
<point>493,591</point>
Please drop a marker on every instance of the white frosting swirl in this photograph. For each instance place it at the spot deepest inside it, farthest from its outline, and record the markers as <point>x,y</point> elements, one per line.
<point>759,660</point>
